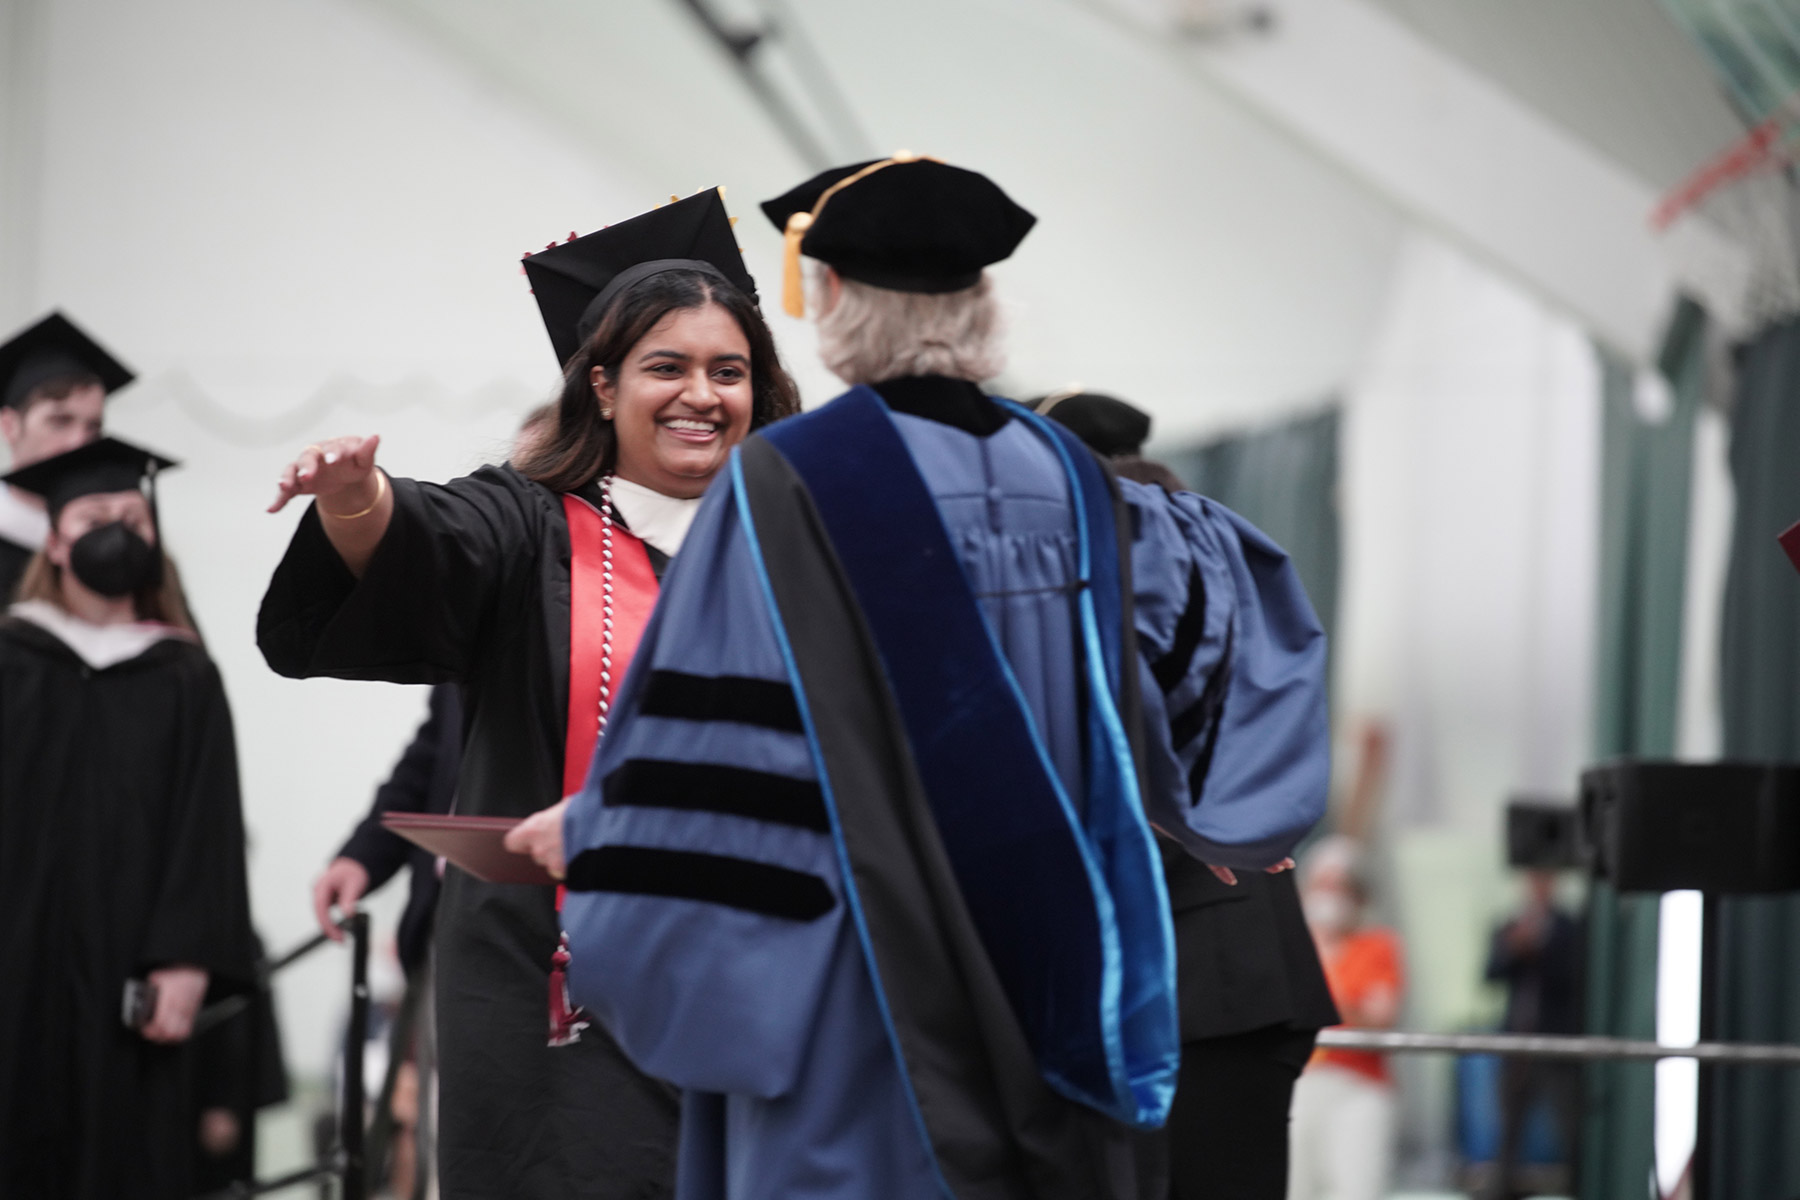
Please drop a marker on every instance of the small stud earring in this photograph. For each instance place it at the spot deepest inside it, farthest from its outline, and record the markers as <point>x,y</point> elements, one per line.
<point>606,414</point>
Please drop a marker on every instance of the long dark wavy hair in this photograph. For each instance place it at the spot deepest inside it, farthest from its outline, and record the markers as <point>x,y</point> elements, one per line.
<point>583,446</point>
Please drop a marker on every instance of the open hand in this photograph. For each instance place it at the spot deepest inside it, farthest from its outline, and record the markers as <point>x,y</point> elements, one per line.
<point>540,838</point>
<point>179,991</point>
<point>340,471</point>
<point>1227,876</point>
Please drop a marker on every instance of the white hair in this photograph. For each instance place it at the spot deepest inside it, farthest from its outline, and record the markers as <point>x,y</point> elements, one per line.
<point>875,334</point>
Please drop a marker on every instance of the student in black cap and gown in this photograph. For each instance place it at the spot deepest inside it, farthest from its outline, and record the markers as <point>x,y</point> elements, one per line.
<point>1253,995</point>
<point>54,381</point>
<point>121,845</point>
<point>865,863</point>
<point>529,584</point>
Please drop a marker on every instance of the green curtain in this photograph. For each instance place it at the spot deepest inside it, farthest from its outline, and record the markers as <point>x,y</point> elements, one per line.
<point>1755,1123</point>
<point>1284,480</point>
<point>1643,575</point>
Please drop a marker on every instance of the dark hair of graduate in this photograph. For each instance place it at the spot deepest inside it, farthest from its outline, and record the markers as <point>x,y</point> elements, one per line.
<point>58,387</point>
<point>583,446</point>
<point>164,601</point>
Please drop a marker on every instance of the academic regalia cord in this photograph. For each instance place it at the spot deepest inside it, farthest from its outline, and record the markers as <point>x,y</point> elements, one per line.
<point>567,1020</point>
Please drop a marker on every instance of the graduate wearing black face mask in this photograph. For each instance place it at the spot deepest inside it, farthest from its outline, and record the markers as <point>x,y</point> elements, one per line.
<point>121,844</point>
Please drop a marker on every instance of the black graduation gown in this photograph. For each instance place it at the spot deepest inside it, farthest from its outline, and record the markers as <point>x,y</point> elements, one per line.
<point>121,850</point>
<point>423,781</point>
<point>471,584</point>
<point>14,558</point>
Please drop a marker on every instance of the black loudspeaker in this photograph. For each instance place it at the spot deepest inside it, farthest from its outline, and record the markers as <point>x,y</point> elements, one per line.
<point>1542,835</point>
<point>1712,827</point>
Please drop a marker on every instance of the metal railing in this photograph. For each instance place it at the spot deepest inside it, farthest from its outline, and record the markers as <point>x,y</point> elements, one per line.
<point>1578,1047</point>
<point>346,1161</point>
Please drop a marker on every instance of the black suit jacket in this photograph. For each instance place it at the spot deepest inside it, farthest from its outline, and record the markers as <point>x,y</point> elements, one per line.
<point>424,780</point>
<point>1245,959</point>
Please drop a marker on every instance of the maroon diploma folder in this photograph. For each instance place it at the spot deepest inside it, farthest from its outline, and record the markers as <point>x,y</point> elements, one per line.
<point>472,843</point>
<point>1790,541</point>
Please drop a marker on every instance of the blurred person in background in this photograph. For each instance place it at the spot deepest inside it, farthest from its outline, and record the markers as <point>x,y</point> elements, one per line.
<point>529,584</point>
<point>54,381</point>
<point>864,864</point>
<point>1536,954</point>
<point>1253,996</point>
<point>122,870</point>
<point>1344,1104</point>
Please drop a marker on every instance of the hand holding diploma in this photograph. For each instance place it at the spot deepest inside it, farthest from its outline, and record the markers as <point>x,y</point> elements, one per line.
<point>540,838</point>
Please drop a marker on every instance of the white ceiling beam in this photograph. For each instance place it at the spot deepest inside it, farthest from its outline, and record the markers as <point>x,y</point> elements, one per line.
<point>1457,154</point>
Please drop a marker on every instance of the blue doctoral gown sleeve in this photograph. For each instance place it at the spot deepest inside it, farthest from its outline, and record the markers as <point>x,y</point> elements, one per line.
<point>713,906</point>
<point>1233,679</point>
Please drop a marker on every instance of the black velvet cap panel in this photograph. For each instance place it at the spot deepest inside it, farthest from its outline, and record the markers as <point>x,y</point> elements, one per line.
<point>1107,424</point>
<point>55,347</point>
<point>107,465</point>
<point>917,226</point>
<point>573,281</point>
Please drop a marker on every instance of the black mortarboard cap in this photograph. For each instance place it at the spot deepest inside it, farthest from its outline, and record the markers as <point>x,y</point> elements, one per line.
<point>1105,423</point>
<point>575,281</point>
<point>53,348</point>
<point>107,465</point>
<point>906,223</point>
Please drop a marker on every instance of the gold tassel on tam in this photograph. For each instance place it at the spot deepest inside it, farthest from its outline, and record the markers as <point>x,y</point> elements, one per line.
<point>793,287</point>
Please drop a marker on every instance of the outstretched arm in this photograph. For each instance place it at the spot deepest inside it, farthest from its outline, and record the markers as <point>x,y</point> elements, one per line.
<point>351,494</point>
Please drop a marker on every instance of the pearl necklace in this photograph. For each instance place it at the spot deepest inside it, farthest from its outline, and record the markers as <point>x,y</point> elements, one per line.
<point>606,602</point>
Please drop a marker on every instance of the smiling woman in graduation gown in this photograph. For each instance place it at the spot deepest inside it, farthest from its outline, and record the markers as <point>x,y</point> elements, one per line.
<point>121,847</point>
<point>506,582</point>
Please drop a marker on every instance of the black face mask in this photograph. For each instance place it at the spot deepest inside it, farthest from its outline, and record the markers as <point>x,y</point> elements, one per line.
<point>114,561</point>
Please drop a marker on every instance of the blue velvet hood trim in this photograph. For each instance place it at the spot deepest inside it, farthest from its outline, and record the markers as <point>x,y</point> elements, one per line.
<point>1066,893</point>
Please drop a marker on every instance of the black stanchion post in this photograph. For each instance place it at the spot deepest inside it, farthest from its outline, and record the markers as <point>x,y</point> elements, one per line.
<point>350,1115</point>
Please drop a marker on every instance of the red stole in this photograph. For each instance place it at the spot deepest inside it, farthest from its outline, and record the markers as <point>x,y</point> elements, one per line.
<point>634,596</point>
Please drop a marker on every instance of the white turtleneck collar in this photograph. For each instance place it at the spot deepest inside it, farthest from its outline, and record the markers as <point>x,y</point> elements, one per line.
<point>22,524</point>
<point>661,521</point>
<point>99,646</point>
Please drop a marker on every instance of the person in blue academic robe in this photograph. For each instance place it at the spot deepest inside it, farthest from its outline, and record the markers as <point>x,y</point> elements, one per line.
<point>865,863</point>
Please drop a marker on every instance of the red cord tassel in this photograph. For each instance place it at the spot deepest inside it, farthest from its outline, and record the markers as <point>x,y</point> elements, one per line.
<point>566,1020</point>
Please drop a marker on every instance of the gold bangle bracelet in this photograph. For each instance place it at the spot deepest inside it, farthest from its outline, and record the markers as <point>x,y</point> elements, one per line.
<point>380,491</point>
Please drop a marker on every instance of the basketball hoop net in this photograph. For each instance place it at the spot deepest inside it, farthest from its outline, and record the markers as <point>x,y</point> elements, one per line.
<point>1732,228</point>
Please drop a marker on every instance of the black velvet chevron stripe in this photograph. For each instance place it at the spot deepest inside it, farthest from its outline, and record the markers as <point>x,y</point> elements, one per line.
<point>1172,667</point>
<point>710,878</point>
<point>709,787</point>
<point>761,702</point>
<point>1203,714</point>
